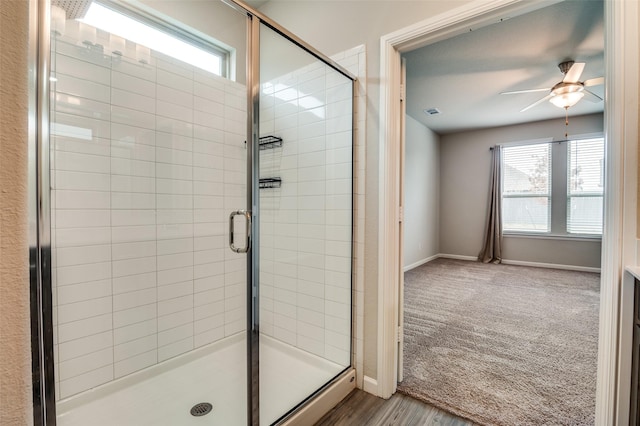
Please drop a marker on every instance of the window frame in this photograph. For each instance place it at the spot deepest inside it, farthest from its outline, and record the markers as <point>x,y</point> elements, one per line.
<point>548,194</point>
<point>153,19</point>
<point>558,203</point>
<point>583,194</point>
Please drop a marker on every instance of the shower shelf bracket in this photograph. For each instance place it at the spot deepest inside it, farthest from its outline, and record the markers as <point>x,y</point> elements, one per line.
<point>270,142</point>
<point>274,182</point>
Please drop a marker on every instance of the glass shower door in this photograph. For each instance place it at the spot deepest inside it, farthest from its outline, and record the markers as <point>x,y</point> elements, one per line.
<point>148,158</point>
<point>305,221</point>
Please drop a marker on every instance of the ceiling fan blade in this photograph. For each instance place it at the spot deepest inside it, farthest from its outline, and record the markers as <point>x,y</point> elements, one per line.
<point>594,82</point>
<point>546,98</point>
<point>574,73</point>
<point>515,92</point>
<point>590,96</point>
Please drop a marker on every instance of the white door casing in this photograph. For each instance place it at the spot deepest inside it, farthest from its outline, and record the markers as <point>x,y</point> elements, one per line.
<point>401,172</point>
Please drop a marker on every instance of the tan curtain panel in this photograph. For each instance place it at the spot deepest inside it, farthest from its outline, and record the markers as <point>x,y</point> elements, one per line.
<point>492,247</point>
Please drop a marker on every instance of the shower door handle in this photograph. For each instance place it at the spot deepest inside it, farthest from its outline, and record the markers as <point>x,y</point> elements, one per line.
<point>247,216</point>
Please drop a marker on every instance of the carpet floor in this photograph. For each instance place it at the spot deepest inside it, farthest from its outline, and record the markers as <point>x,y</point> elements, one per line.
<point>502,344</point>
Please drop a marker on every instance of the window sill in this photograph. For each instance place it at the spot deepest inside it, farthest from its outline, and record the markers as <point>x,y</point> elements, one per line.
<point>589,238</point>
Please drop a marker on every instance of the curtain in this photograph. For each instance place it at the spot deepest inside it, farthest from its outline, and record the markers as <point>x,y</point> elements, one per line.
<point>492,247</point>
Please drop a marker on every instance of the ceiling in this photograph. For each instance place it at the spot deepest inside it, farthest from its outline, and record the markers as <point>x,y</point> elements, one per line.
<point>256,4</point>
<point>463,76</point>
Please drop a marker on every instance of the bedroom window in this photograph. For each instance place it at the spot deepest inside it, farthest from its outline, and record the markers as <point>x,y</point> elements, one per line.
<point>553,189</point>
<point>585,189</point>
<point>526,188</point>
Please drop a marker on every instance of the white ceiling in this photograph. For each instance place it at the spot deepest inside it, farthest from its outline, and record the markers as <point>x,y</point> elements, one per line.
<point>464,75</point>
<point>256,4</point>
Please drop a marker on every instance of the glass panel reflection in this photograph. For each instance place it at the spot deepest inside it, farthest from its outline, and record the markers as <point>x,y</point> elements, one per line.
<point>147,160</point>
<point>305,225</point>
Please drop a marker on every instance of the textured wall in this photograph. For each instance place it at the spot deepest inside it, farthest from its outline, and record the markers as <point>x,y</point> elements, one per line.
<point>15,359</point>
<point>421,193</point>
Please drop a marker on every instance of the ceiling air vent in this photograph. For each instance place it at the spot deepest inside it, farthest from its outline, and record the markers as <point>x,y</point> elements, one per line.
<point>432,111</point>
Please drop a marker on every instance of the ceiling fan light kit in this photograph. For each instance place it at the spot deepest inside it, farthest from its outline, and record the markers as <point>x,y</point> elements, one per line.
<point>566,95</point>
<point>570,90</point>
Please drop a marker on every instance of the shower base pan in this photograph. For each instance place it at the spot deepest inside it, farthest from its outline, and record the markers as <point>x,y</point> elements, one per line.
<point>166,393</point>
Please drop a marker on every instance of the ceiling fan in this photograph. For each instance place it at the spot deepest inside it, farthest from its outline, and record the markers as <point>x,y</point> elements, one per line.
<point>569,91</point>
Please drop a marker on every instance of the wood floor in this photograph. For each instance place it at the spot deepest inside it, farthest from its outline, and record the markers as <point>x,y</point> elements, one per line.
<point>361,408</point>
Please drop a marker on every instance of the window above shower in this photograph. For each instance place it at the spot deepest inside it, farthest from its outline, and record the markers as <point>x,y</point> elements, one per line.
<point>134,31</point>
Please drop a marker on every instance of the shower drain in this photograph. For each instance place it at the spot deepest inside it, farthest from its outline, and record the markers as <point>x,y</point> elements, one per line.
<point>201,409</point>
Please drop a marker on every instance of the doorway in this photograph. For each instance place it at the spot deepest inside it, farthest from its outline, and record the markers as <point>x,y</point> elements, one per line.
<point>620,183</point>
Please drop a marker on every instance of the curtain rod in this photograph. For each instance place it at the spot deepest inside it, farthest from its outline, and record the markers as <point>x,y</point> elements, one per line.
<point>540,143</point>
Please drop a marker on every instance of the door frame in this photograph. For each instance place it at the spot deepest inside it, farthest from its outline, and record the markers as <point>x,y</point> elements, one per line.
<point>619,239</point>
<point>401,223</point>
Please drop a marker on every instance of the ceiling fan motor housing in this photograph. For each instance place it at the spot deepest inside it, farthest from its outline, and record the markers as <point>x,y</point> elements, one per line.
<point>565,66</point>
<point>564,87</point>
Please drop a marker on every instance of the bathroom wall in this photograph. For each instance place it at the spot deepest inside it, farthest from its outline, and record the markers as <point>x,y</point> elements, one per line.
<point>16,86</point>
<point>306,224</point>
<point>147,159</point>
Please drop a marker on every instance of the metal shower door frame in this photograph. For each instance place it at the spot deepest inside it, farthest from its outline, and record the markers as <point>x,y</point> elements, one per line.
<point>253,199</point>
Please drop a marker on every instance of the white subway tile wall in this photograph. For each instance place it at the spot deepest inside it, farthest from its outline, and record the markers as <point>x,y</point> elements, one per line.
<point>146,161</point>
<point>306,224</point>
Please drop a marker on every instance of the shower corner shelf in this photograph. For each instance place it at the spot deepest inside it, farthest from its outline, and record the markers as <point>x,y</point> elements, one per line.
<point>270,142</point>
<point>274,182</point>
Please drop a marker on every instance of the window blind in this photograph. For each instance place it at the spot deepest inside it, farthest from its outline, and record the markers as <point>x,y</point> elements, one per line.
<point>585,186</point>
<point>526,188</point>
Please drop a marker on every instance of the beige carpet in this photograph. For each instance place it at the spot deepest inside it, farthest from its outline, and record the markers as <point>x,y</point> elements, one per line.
<point>500,344</point>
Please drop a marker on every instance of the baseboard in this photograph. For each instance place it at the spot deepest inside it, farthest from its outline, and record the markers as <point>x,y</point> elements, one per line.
<point>420,262</point>
<point>370,385</point>
<point>439,256</point>
<point>511,262</point>
<point>457,257</point>
<point>550,265</point>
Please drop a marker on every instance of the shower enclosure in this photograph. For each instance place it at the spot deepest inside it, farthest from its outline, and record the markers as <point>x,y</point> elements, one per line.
<point>195,180</point>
